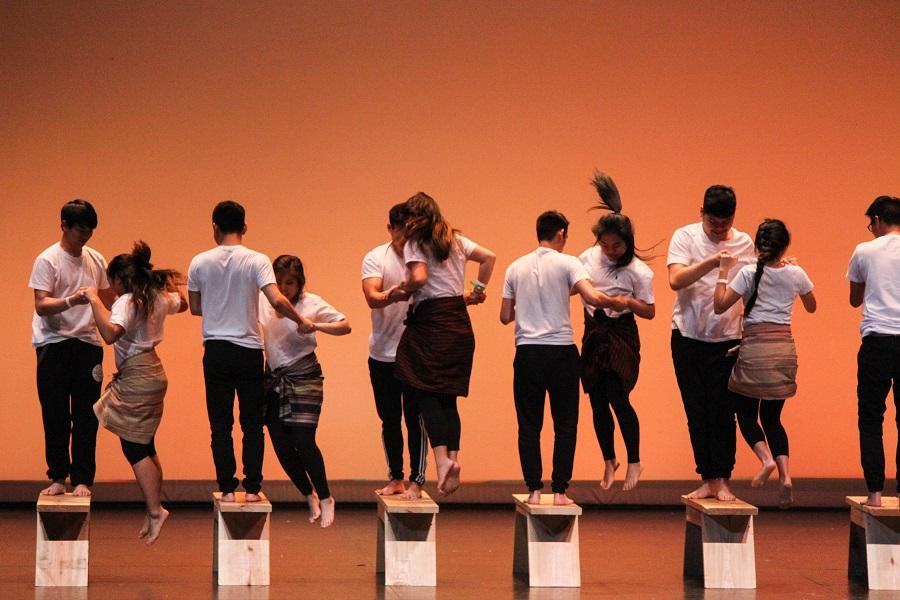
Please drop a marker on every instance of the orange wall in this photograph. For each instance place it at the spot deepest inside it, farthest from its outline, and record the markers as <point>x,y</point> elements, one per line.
<point>318,117</point>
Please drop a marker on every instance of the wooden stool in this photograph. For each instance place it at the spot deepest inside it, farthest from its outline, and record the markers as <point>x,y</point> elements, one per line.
<point>718,542</point>
<point>241,540</point>
<point>406,534</point>
<point>61,557</point>
<point>546,542</point>
<point>875,542</point>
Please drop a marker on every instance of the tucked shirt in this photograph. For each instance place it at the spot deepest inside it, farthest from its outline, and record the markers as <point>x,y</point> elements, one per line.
<point>778,289</point>
<point>141,334</point>
<point>877,264</point>
<point>387,323</point>
<point>283,342</point>
<point>634,279</point>
<point>445,279</point>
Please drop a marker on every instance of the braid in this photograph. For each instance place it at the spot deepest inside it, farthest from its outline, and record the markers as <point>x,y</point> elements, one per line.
<point>772,239</point>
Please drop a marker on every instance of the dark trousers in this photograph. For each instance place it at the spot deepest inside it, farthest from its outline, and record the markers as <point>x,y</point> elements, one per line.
<point>539,370</point>
<point>69,374</point>
<point>751,413</point>
<point>229,368</point>
<point>296,449</point>
<point>609,392</point>
<point>392,407</point>
<point>878,368</point>
<point>702,370</point>
<point>439,416</point>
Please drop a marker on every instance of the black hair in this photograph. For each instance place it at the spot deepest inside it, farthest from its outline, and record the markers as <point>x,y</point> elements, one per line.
<point>139,278</point>
<point>886,208</point>
<point>548,223</point>
<point>719,201</point>
<point>397,215</point>
<point>78,212</point>
<point>288,264</point>
<point>772,239</point>
<point>615,222</point>
<point>426,226</point>
<point>229,216</point>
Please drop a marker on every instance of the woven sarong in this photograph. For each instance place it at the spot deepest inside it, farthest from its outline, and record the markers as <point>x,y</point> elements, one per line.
<point>132,405</point>
<point>436,349</point>
<point>299,386</point>
<point>766,366</point>
<point>610,345</point>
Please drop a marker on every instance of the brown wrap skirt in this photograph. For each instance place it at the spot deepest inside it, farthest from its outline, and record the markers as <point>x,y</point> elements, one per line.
<point>132,405</point>
<point>766,366</point>
<point>610,345</point>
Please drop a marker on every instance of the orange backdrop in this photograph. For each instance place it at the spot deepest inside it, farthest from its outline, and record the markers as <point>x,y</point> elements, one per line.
<point>318,117</point>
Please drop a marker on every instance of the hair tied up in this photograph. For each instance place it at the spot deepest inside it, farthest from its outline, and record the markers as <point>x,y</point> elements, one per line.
<point>140,254</point>
<point>609,194</point>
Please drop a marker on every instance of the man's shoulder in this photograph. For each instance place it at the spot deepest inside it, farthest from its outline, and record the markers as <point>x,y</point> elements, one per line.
<point>50,253</point>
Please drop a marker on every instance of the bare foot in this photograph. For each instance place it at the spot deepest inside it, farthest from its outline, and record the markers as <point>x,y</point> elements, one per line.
<point>562,500</point>
<point>534,497</point>
<point>413,493</point>
<point>251,497</point>
<point>723,491</point>
<point>327,511</point>
<point>874,499</point>
<point>227,497</point>
<point>54,489</point>
<point>156,524</point>
<point>394,486</point>
<point>81,490</point>
<point>786,495</point>
<point>704,491</point>
<point>145,528</point>
<point>609,473</point>
<point>448,477</point>
<point>763,475</point>
<point>315,510</point>
<point>632,476</point>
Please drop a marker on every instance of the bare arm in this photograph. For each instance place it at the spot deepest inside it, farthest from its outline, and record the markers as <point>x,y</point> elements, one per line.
<point>283,307</point>
<point>107,297</point>
<point>642,309</point>
<point>418,277</point>
<point>194,303</point>
<point>341,327</point>
<point>681,276</point>
<point>110,332</point>
<point>485,259</point>
<point>507,310</point>
<point>46,305</point>
<point>809,301</point>
<point>376,297</point>
<point>857,294</point>
<point>724,298</point>
<point>599,299</point>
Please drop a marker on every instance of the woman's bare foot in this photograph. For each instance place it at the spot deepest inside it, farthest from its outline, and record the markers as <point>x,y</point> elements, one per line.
<point>251,497</point>
<point>632,475</point>
<point>227,497</point>
<point>448,477</point>
<point>786,494</point>
<point>156,523</point>
<point>874,499</point>
<point>562,500</point>
<point>723,491</point>
<point>327,506</point>
<point>315,509</point>
<point>81,490</point>
<point>145,527</point>
<point>54,489</point>
<point>609,473</point>
<point>394,486</point>
<point>763,475</point>
<point>534,497</point>
<point>414,492</point>
<point>704,491</point>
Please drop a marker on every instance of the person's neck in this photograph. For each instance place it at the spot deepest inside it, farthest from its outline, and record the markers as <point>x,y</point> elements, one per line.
<point>231,239</point>
<point>892,230</point>
<point>397,245</point>
<point>551,244</point>
<point>71,250</point>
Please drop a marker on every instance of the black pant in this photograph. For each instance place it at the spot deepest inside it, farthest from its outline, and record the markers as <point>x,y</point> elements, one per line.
<point>702,370</point>
<point>296,449</point>
<point>392,406</point>
<point>539,370</point>
<point>609,391</point>
<point>229,368</point>
<point>878,367</point>
<point>439,415</point>
<point>69,374</point>
<point>751,413</point>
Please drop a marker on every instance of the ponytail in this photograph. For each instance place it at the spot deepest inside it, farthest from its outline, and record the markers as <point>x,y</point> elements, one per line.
<point>138,277</point>
<point>772,239</point>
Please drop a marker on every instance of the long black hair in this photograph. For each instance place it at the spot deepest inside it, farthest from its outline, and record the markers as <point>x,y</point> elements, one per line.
<point>138,277</point>
<point>772,239</point>
<point>614,222</point>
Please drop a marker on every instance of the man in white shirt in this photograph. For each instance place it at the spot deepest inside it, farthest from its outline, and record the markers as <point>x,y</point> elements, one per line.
<point>874,274</point>
<point>383,270</point>
<point>536,295</point>
<point>701,339</point>
<point>69,349</point>
<point>223,286</point>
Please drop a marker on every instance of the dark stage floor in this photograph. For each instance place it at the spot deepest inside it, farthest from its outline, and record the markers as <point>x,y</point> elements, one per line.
<point>625,553</point>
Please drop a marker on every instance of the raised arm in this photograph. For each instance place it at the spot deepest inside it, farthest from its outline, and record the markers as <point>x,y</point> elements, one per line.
<point>283,306</point>
<point>341,327</point>
<point>376,297</point>
<point>599,299</point>
<point>681,276</point>
<point>110,332</point>
<point>641,308</point>
<point>46,305</point>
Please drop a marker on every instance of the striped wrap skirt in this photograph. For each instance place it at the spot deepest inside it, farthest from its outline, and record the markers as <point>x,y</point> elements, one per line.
<point>132,405</point>
<point>766,366</point>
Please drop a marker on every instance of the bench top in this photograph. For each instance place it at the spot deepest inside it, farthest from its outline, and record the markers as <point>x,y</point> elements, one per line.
<point>63,503</point>
<point>240,503</point>
<point>546,507</point>
<point>396,504</point>
<point>890,506</point>
<point>712,506</point>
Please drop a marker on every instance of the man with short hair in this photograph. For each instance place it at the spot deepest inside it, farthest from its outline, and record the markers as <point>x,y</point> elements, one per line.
<point>69,349</point>
<point>874,274</point>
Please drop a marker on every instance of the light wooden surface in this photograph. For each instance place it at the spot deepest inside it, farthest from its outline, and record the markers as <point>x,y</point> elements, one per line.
<point>406,541</point>
<point>875,542</point>
<point>719,545</point>
<point>546,542</point>
<point>396,504</point>
<point>546,507</point>
<point>62,541</point>
<point>241,541</point>
<point>240,503</point>
<point>711,506</point>
<point>63,503</point>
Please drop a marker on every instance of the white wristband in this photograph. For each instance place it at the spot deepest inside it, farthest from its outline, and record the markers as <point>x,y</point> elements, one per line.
<point>68,304</point>
<point>722,280</point>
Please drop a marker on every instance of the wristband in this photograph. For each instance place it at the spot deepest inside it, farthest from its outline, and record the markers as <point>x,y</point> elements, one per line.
<point>722,280</point>
<point>478,286</point>
<point>68,304</point>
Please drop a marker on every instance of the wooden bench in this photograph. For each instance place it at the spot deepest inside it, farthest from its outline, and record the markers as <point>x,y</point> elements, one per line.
<point>61,554</point>
<point>875,542</point>
<point>241,540</point>
<point>718,543</point>
<point>546,542</point>
<point>406,540</point>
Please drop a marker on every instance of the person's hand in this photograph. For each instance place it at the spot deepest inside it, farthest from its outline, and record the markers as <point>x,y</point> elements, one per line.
<point>790,260</point>
<point>618,303</point>
<point>84,295</point>
<point>306,326</point>
<point>727,260</point>
<point>397,294</point>
<point>474,297</point>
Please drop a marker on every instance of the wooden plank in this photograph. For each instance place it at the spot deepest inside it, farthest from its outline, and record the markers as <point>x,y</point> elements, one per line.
<point>546,507</point>
<point>890,506</point>
<point>63,503</point>
<point>396,504</point>
<point>712,506</point>
<point>240,503</point>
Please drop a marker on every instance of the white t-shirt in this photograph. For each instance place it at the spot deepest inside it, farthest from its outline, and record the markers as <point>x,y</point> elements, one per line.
<point>141,334</point>
<point>229,279</point>
<point>387,323</point>
<point>634,279</point>
<point>877,264</point>
<point>284,344</point>
<point>445,279</point>
<point>58,272</point>
<point>540,283</point>
<point>693,314</point>
<point>778,289</point>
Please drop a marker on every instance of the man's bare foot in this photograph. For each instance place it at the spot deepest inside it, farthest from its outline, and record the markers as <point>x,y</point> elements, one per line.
<point>723,491</point>
<point>632,475</point>
<point>251,497</point>
<point>704,491</point>
<point>562,500</point>
<point>413,493</point>
<point>763,475</point>
<point>315,509</point>
<point>448,477</point>
<point>327,511</point>
<point>81,490</point>
<point>609,473</point>
<point>145,528</point>
<point>534,497</point>
<point>156,523</point>
<point>54,489</point>
<point>874,499</point>
<point>786,495</point>
<point>227,497</point>
<point>394,486</point>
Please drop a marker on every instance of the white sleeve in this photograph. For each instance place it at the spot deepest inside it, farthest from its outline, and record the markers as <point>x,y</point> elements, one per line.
<point>326,313</point>
<point>265,275</point>
<point>509,288</point>
<point>680,249</point>
<point>466,245</point>
<point>173,302</point>
<point>856,272</point>
<point>121,312</point>
<point>577,272</point>
<point>743,282</point>
<point>643,283</point>
<point>193,283</point>
<point>372,266</point>
<point>412,252</point>
<point>42,275</point>
<point>803,283</point>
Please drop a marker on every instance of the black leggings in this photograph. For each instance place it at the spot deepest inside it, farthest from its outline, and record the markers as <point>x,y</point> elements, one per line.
<point>440,417</point>
<point>610,392</point>
<point>135,453</point>
<point>751,412</point>
<point>296,449</point>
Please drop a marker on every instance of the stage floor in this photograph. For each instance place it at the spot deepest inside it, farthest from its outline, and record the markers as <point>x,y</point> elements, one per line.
<point>625,553</point>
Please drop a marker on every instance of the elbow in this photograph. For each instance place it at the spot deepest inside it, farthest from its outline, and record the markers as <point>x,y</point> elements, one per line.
<point>651,312</point>
<point>675,284</point>
<point>718,308</point>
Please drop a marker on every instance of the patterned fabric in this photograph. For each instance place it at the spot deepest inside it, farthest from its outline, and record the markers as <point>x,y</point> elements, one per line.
<point>610,345</point>
<point>299,387</point>
<point>436,349</point>
<point>766,366</point>
<point>132,405</point>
